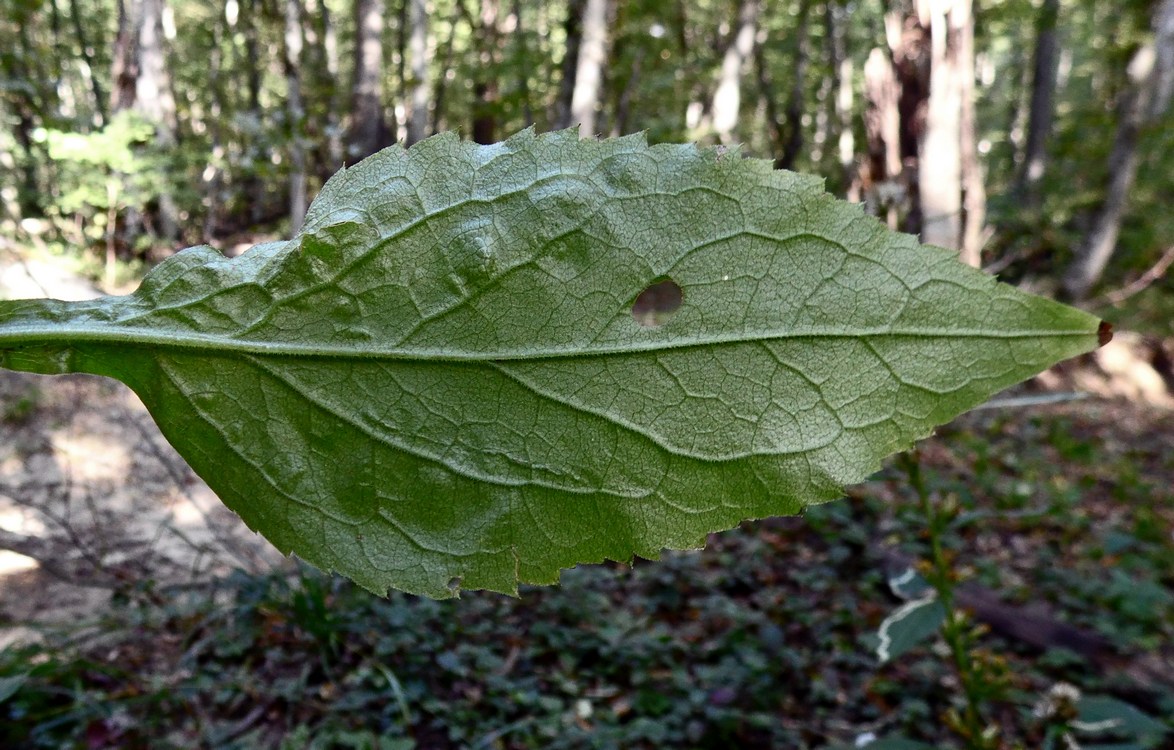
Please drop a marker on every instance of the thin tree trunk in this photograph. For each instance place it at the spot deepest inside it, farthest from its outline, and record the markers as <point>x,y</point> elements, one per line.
<point>727,97</point>
<point>125,59</point>
<point>251,65</point>
<point>973,180</point>
<point>213,174</point>
<point>589,70</point>
<point>87,55</point>
<point>940,181</point>
<point>774,119</point>
<point>24,105</point>
<point>253,57</point>
<point>418,52</point>
<point>623,106</point>
<point>1151,74</point>
<point>794,143</point>
<point>143,82</point>
<point>441,89</point>
<point>485,87</point>
<point>911,56</point>
<point>329,30</point>
<point>296,114</point>
<point>400,112</point>
<point>573,30</point>
<point>368,130</point>
<point>521,64</point>
<point>881,173</point>
<point>844,89</point>
<point>1042,107</point>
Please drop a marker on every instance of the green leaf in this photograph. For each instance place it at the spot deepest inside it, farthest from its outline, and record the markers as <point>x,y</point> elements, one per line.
<point>1102,715</point>
<point>440,383</point>
<point>908,626</point>
<point>9,685</point>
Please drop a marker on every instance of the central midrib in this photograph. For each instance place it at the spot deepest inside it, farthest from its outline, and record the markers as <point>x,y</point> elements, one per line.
<point>67,335</point>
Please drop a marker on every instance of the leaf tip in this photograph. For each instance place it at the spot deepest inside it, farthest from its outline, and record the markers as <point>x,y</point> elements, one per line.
<point>1104,333</point>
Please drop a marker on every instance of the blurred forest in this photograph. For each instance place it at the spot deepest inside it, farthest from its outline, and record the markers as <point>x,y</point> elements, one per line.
<point>1034,137</point>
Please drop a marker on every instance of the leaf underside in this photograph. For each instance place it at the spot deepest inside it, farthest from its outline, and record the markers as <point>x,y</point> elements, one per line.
<point>439,383</point>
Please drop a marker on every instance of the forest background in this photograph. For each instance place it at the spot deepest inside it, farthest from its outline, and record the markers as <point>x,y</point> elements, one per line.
<point>1035,138</point>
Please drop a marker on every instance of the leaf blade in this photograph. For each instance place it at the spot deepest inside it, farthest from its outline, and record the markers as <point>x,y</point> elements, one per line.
<point>440,378</point>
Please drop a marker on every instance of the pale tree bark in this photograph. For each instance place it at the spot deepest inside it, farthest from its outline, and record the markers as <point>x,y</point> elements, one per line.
<point>368,131</point>
<point>295,112</point>
<point>973,179</point>
<point>142,81</point>
<point>1042,105</point>
<point>124,67</point>
<point>907,31</point>
<point>212,178</point>
<point>153,91</point>
<point>880,176</point>
<point>940,182</point>
<point>418,53</point>
<point>727,97</point>
<point>589,69</point>
<point>1151,77</point>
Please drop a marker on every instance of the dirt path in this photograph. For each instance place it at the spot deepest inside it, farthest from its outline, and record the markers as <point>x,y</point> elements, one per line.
<point>92,498</point>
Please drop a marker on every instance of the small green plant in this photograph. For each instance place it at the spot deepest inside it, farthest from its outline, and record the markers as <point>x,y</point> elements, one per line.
<point>105,177</point>
<point>982,676</point>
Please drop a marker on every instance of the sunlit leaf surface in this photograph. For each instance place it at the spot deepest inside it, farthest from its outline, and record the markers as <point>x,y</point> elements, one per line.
<point>477,365</point>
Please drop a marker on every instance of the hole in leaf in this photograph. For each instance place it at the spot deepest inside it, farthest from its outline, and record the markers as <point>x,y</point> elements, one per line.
<point>656,305</point>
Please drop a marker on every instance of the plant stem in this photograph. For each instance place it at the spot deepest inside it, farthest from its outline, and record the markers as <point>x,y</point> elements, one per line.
<point>955,632</point>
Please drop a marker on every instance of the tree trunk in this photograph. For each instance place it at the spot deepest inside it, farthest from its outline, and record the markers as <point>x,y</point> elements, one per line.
<point>321,66</point>
<point>253,57</point>
<point>212,178</point>
<point>973,179</point>
<point>573,29</point>
<point>1151,75</point>
<point>125,59</point>
<point>251,66</point>
<point>296,114</point>
<point>940,177</point>
<point>910,54</point>
<point>521,63</point>
<point>418,51</point>
<point>793,146</point>
<point>88,57</point>
<point>368,130</point>
<point>1042,107</point>
<point>143,82</point>
<point>153,90</point>
<point>881,174</point>
<point>485,88</point>
<point>589,69</point>
<point>441,89</point>
<point>727,98</point>
<point>24,105</point>
<point>844,93</point>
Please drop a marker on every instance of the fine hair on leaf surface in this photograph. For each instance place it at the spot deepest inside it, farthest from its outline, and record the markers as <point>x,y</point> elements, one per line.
<point>445,376</point>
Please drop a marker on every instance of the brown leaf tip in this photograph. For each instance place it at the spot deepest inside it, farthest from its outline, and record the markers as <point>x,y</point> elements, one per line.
<point>1104,333</point>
